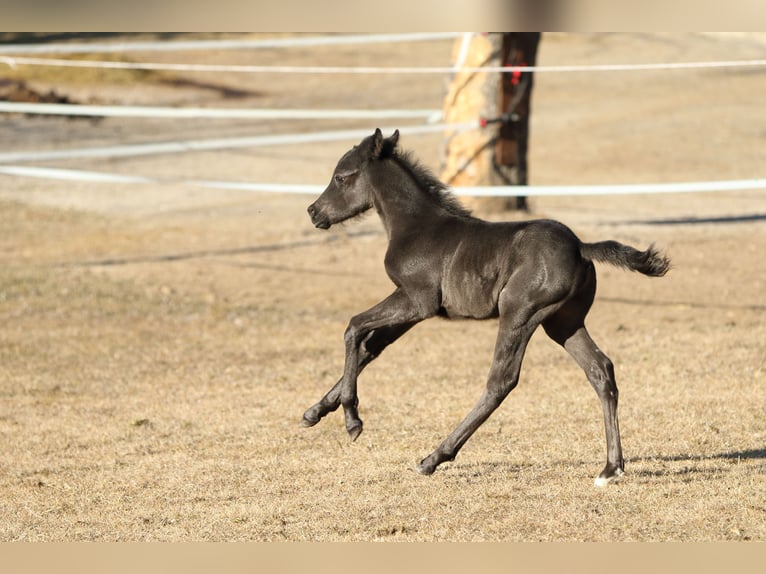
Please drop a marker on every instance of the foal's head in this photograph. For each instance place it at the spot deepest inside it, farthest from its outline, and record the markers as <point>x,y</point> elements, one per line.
<point>349,192</point>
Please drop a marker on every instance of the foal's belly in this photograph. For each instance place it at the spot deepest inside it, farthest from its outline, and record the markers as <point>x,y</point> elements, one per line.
<point>478,312</point>
<point>470,296</point>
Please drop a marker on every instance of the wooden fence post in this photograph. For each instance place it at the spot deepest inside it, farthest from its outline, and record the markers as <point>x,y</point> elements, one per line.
<point>496,154</point>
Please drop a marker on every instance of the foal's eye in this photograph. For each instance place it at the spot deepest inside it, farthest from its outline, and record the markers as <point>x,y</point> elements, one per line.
<point>339,179</point>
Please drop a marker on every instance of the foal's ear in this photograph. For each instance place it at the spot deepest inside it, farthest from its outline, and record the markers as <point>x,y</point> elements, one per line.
<point>391,141</point>
<point>383,148</point>
<point>377,143</point>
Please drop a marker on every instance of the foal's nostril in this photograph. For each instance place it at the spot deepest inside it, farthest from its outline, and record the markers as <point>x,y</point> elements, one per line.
<point>312,210</point>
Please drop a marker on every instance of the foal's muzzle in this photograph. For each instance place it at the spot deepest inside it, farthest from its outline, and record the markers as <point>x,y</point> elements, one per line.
<point>319,220</point>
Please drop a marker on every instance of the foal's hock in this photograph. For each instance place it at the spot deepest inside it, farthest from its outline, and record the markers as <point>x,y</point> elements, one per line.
<point>445,262</point>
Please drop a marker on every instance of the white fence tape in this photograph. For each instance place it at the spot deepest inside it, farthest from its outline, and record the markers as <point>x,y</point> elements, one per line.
<point>219,144</point>
<point>283,139</point>
<point>619,189</point>
<point>219,113</point>
<point>230,44</point>
<point>401,70</point>
<point>72,174</point>
<point>496,191</point>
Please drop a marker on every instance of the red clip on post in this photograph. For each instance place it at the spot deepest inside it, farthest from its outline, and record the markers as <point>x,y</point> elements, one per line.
<point>516,75</point>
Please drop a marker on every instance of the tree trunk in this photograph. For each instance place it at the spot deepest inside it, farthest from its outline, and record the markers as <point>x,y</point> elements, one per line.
<point>497,153</point>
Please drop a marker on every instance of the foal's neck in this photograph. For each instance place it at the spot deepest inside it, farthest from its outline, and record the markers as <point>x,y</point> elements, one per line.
<point>404,211</point>
<point>403,207</point>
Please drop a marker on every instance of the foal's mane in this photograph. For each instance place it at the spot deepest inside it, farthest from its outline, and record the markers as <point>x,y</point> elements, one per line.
<point>429,183</point>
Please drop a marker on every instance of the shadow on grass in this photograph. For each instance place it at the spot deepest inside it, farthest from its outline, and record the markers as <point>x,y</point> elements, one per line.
<point>751,454</point>
<point>698,220</point>
<point>730,457</point>
<point>692,304</point>
<point>224,252</point>
<point>469,471</point>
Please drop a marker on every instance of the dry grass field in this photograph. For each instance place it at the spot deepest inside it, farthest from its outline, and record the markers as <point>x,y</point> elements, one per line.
<point>159,342</point>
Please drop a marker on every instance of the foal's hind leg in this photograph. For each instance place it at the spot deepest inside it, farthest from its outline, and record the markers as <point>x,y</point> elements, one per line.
<point>503,378</point>
<point>372,346</point>
<point>518,320</point>
<point>600,372</point>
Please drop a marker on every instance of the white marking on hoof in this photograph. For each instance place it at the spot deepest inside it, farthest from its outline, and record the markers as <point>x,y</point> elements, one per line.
<point>602,481</point>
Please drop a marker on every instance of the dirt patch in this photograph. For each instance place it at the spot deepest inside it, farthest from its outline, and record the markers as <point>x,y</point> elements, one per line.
<point>18,91</point>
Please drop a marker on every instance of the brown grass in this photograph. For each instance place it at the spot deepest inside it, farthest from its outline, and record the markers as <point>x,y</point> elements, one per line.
<point>165,406</point>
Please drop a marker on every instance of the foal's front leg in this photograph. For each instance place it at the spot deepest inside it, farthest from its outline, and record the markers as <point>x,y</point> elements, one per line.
<point>371,348</point>
<point>394,315</point>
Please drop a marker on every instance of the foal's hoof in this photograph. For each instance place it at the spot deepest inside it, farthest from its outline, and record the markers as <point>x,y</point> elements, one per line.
<point>355,431</point>
<point>307,423</point>
<point>604,479</point>
<point>424,469</point>
<point>308,420</point>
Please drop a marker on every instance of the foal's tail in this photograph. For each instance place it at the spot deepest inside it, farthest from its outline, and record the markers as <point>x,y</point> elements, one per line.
<point>650,262</point>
